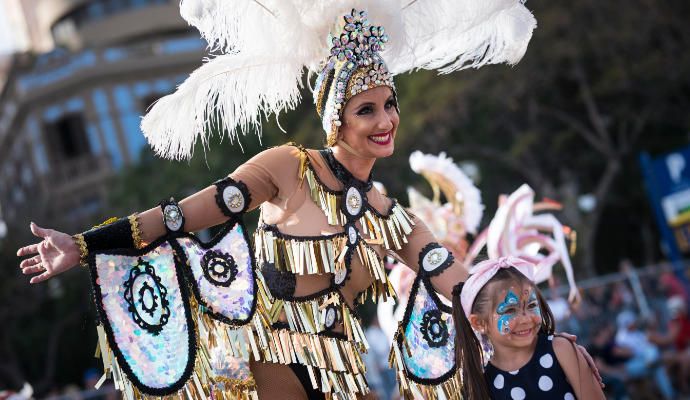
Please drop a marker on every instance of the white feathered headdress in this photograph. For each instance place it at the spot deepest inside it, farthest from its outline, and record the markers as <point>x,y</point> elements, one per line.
<point>266,46</point>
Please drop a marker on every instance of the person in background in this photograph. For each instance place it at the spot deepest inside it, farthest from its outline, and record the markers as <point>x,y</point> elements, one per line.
<point>381,377</point>
<point>609,358</point>
<point>671,285</point>
<point>676,341</point>
<point>646,357</point>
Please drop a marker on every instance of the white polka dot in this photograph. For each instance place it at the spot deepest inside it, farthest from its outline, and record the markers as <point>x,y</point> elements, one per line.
<point>498,382</point>
<point>546,361</point>
<point>517,393</point>
<point>514,372</point>
<point>550,337</point>
<point>568,396</point>
<point>545,383</point>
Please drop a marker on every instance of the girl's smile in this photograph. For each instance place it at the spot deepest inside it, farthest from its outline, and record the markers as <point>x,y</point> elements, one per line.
<point>517,317</point>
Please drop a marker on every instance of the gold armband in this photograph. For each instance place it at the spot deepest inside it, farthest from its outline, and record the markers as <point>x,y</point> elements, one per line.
<point>83,249</point>
<point>136,232</point>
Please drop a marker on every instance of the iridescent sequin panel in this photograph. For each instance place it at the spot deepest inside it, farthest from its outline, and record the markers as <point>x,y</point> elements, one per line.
<point>143,310</point>
<point>430,335</point>
<point>223,274</point>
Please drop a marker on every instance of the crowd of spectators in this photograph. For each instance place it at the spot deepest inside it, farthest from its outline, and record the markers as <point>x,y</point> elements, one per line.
<point>637,329</point>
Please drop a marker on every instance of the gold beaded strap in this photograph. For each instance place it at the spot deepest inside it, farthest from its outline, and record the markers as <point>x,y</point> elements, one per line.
<point>83,250</point>
<point>136,232</point>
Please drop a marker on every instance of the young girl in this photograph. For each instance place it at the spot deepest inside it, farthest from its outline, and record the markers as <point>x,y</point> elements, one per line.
<point>501,302</point>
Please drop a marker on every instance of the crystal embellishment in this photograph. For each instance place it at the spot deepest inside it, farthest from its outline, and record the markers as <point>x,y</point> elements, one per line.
<point>353,201</point>
<point>173,217</point>
<point>330,318</point>
<point>434,258</point>
<point>352,235</point>
<point>234,199</point>
<point>340,275</point>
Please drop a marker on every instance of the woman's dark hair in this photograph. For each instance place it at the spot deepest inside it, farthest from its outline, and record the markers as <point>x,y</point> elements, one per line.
<point>468,349</point>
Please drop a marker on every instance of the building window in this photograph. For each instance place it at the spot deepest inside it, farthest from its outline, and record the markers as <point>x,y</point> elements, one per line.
<point>67,138</point>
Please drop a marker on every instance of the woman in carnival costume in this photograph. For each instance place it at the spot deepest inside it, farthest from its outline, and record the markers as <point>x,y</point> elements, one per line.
<point>180,317</point>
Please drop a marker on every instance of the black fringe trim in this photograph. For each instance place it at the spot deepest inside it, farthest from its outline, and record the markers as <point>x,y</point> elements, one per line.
<point>274,230</point>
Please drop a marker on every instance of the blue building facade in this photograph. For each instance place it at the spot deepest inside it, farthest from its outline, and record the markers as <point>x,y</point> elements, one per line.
<point>69,118</point>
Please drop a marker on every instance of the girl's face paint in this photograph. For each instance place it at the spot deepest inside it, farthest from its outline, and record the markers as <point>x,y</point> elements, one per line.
<point>533,305</point>
<point>506,311</point>
<point>517,314</point>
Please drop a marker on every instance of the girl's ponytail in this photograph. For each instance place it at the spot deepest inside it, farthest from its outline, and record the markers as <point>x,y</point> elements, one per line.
<point>468,353</point>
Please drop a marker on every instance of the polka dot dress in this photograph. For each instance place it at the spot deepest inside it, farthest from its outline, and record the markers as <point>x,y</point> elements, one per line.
<point>541,378</point>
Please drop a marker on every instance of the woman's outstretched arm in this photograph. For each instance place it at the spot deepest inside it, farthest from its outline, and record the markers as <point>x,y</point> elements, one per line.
<point>58,252</point>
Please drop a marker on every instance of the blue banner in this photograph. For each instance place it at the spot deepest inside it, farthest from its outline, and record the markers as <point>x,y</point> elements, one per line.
<point>668,184</point>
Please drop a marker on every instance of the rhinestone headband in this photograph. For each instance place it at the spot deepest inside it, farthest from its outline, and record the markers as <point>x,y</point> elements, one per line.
<point>353,67</point>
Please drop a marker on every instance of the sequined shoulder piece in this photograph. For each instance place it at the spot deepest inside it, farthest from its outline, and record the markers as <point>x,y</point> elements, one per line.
<point>145,317</point>
<point>221,273</point>
<point>423,349</point>
<point>152,324</point>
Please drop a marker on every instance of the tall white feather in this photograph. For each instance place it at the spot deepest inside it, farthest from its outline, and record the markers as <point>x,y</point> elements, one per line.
<point>234,89</point>
<point>455,34</point>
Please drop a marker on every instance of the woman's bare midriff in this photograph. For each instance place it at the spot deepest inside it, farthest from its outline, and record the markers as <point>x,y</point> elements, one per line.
<point>278,382</point>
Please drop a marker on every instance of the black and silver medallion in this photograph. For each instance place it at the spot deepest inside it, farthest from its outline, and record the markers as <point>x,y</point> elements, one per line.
<point>434,328</point>
<point>435,258</point>
<point>234,199</point>
<point>330,317</point>
<point>352,234</point>
<point>172,216</point>
<point>219,268</point>
<point>146,298</point>
<point>340,276</point>
<point>353,203</point>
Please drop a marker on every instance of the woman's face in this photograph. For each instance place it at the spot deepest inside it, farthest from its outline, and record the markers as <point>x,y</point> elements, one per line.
<point>370,122</point>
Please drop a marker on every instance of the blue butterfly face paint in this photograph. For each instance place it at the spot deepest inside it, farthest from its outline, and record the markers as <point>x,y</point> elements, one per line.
<point>533,304</point>
<point>512,307</point>
<point>507,310</point>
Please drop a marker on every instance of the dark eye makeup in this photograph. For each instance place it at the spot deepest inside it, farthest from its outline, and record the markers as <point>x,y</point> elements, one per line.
<point>368,108</point>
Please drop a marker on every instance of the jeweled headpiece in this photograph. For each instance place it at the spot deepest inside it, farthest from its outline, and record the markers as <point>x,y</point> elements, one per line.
<point>262,50</point>
<point>354,66</point>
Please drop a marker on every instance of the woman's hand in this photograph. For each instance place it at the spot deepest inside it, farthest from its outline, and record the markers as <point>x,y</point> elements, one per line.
<point>55,254</point>
<point>586,355</point>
